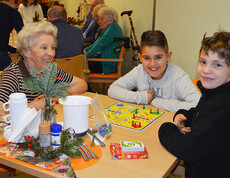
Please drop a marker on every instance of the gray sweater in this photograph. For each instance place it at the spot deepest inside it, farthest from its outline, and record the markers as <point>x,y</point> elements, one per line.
<point>174,90</point>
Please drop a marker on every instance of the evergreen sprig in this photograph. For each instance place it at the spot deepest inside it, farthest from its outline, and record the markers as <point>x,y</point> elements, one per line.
<point>67,146</point>
<point>44,82</point>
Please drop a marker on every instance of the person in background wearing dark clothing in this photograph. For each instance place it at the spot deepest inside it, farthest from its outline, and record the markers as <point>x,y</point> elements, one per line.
<point>9,18</point>
<point>70,38</point>
<point>200,136</point>
<point>90,28</point>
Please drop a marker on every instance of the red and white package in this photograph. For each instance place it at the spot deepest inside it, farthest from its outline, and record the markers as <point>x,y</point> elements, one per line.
<point>117,153</point>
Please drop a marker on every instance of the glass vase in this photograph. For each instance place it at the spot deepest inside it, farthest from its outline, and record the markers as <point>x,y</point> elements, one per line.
<point>48,112</point>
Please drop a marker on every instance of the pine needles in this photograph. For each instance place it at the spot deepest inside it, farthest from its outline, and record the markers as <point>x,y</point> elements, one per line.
<point>69,146</point>
<point>43,82</point>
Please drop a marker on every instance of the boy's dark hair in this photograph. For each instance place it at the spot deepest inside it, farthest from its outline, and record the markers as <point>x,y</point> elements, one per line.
<point>218,43</point>
<point>154,38</point>
<point>24,2</point>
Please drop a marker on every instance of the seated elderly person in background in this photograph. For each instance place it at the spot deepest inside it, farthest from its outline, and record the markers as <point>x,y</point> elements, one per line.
<point>90,27</point>
<point>36,43</point>
<point>96,18</point>
<point>70,38</point>
<point>104,44</point>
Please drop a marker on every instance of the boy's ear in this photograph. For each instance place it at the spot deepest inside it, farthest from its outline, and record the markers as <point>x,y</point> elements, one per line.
<point>169,55</point>
<point>139,55</point>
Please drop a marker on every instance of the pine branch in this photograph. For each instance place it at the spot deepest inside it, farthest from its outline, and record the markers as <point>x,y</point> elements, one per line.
<point>30,85</point>
<point>43,82</point>
<point>68,146</point>
<point>52,72</point>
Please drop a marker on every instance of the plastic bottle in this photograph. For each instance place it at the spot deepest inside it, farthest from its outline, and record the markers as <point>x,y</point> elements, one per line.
<point>56,135</point>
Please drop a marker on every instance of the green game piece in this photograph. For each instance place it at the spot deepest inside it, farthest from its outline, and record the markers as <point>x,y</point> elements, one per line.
<point>143,106</point>
<point>150,111</point>
<point>158,111</point>
<point>136,111</point>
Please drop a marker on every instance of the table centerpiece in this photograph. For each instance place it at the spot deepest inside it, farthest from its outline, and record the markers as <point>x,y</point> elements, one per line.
<point>47,83</point>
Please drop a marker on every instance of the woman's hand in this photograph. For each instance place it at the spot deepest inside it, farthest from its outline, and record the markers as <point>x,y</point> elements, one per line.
<point>38,102</point>
<point>150,95</point>
<point>54,101</point>
<point>179,122</point>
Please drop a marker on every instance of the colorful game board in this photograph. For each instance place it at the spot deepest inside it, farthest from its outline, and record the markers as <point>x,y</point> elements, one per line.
<point>132,117</point>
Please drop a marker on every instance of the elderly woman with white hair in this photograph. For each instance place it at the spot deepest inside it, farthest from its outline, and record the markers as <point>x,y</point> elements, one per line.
<point>104,44</point>
<point>36,43</point>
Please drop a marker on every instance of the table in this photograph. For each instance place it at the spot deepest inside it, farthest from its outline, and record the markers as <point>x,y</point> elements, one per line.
<point>159,164</point>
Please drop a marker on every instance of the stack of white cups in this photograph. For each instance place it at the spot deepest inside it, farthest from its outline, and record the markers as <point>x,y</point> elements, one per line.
<point>17,108</point>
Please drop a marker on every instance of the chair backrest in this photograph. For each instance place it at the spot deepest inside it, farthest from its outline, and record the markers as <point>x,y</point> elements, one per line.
<point>73,65</point>
<point>108,78</point>
<point>15,56</point>
<point>119,64</point>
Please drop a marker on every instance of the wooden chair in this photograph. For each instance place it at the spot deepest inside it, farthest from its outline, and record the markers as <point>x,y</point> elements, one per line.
<point>108,78</point>
<point>73,65</point>
<point>194,81</point>
<point>7,171</point>
<point>15,56</point>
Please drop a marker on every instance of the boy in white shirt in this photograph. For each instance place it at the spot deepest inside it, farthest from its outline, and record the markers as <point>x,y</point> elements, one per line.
<point>158,82</point>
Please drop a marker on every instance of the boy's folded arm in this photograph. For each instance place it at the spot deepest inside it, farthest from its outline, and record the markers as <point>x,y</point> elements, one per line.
<point>183,145</point>
<point>179,144</point>
<point>187,113</point>
<point>122,88</point>
<point>172,105</point>
<point>123,94</point>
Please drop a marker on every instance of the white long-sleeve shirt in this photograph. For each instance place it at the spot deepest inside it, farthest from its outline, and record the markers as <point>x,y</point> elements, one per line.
<point>28,13</point>
<point>174,90</point>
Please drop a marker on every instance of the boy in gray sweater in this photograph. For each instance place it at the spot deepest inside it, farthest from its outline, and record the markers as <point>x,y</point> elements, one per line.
<point>158,82</point>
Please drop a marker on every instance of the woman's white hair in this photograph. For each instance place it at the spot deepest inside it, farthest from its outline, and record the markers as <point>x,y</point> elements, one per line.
<point>31,31</point>
<point>109,12</point>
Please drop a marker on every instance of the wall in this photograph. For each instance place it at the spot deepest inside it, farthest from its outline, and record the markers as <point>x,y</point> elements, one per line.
<point>185,22</point>
<point>71,6</point>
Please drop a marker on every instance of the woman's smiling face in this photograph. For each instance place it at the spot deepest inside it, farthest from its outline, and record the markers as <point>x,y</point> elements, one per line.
<point>41,53</point>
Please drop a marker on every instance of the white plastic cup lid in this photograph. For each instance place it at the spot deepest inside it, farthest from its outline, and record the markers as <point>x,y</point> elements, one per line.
<point>75,100</point>
<point>15,97</point>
